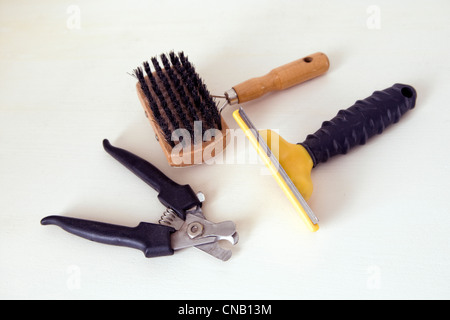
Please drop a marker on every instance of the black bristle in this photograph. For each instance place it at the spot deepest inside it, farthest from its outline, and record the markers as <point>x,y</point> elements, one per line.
<point>154,107</point>
<point>177,95</point>
<point>177,72</point>
<point>174,81</point>
<point>202,98</point>
<point>163,99</point>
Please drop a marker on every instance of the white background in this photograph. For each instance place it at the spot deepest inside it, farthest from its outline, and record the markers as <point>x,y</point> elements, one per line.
<point>383,208</point>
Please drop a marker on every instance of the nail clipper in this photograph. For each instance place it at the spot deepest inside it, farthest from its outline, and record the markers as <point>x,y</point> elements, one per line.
<point>182,225</point>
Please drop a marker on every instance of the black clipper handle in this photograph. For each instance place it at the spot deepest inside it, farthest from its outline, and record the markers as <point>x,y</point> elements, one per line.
<point>355,125</point>
<point>152,239</point>
<point>172,195</point>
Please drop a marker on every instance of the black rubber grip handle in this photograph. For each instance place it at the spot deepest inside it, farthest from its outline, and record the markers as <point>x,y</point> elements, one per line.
<point>152,239</point>
<point>172,195</point>
<point>355,125</point>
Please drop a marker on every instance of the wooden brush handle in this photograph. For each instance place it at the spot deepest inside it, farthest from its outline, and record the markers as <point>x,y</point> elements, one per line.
<point>283,77</point>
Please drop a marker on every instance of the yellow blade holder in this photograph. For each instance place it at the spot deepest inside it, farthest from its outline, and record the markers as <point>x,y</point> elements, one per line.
<point>291,164</point>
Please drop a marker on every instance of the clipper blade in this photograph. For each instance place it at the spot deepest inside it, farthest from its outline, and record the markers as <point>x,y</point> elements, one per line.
<point>271,161</point>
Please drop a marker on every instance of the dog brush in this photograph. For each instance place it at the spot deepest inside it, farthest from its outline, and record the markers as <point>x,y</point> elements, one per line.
<point>291,165</point>
<point>186,118</point>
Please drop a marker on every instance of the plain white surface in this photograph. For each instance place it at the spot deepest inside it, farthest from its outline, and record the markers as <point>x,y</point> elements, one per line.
<point>383,208</point>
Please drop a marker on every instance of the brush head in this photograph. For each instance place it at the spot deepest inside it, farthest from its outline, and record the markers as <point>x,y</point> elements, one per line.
<point>181,110</point>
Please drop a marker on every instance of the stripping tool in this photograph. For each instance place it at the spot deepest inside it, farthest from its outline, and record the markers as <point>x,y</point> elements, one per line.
<point>182,225</point>
<point>291,164</point>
